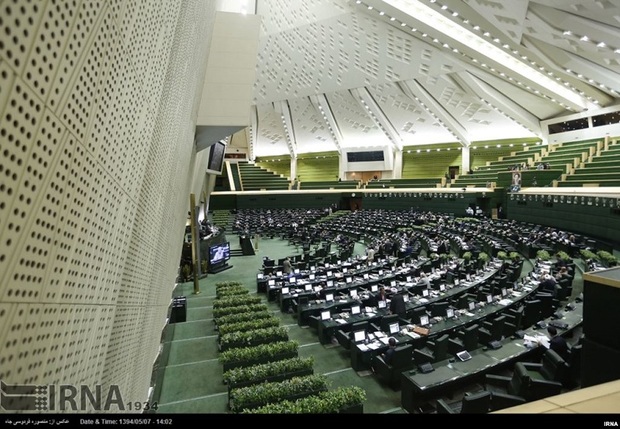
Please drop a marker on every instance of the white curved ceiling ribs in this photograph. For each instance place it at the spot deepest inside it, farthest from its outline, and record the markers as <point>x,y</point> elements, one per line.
<point>411,72</point>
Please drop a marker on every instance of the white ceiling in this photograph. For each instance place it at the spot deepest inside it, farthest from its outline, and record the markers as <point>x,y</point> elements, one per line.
<point>338,73</point>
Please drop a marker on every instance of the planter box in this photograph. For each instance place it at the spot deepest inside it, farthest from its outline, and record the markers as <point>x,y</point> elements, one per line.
<point>353,409</point>
<point>252,343</point>
<point>264,359</point>
<point>287,398</point>
<point>272,379</point>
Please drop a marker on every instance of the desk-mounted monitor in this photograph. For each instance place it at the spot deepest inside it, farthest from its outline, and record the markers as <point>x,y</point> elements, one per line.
<point>326,315</point>
<point>345,270</point>
<point>296,271</point>
<point>471,305</point>
<point>359,336</point>
<point>355,310</point>
<point>424,320</point>
<point>489,298</point>
<point>424,292</point>
<point>409,279</point>
<point>504,292</point>
<point>349,280</point>
<point>292,280</point>
<point>442,288</point>
<point>330,273</point>
<point>374,288</point>
<point>394,328</point>
<point>393,283</point>
<point>449,313</point>
<point>365,276</point>
<point>279,273</point>
<point>271,282</point>
<point>285,290</point>
<point>312,276</point>
<point>406,298</point>
<point>382,304</point>
<point>308,288</point>
<point>330,283</point>
<point>329,297</point>
<point>260,276</point>
<point>312,268</point>
<point>380,272</point>
<point>353,293</point>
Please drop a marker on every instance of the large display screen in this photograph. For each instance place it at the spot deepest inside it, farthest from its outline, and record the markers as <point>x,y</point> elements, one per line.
<point>219,253</point>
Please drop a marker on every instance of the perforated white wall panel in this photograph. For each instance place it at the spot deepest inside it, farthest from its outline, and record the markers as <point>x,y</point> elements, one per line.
<point>97,112</point>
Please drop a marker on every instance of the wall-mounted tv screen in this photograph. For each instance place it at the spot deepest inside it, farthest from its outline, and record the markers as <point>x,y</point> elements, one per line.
<point>219,253</point>
<point>216,158</point>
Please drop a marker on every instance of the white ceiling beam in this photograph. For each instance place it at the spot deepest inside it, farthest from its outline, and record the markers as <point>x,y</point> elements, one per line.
<point>420,18</point>
<point>498,101</point>
<point>253,132</point>
<point>366,100</point>
<point>282,108</point>
<point>415,91</point>
<point>321,104</point>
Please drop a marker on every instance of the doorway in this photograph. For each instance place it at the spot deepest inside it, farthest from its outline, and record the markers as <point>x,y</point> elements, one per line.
<point>453,171</point>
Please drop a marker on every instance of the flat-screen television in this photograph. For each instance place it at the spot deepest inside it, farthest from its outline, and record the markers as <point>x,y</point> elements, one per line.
<point>219,253</point>
<point>216,158</point>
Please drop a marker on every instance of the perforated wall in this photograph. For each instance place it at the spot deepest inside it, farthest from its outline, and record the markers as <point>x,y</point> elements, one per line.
<point>97,112</point>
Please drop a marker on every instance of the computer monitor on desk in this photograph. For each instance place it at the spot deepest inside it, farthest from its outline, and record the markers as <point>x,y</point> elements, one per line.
<point>424,320</point>
<point>381,304</point>
<point>330,283</point>
<point>394,328</point>
<point>329,297</point>
<point>353,293</point>
<point>359,336</point>
<point>326,315</point>
<point>355,310</point>
<point>279,273</point>
<point>271,282</point>
<point>449,313</point>
<point>292,280</point>
<point>312,276</point>
<point>374,288</point>
<point>285,291</point>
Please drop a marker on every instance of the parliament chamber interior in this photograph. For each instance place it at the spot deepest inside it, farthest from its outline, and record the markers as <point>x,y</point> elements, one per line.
<point>309,207</point>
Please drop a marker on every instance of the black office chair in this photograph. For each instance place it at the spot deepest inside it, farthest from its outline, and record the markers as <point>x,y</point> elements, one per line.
<point>344,339</point>
<point>512,323</point>
<point>390,373</point>
<point>472,403</point>
<point>551,368</point>
<point>434,351</point>
<point>465,339</point>
<point>491,330</point>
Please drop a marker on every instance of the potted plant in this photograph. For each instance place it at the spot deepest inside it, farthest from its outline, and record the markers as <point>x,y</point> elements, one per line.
<point>204,266</point>
<point>349,399</point>
<point>186,271</point>
<point>231,291</point>
<point>249,397</point>
<point>502,255</point>
<point>262,353</point>
<point>467,257</point>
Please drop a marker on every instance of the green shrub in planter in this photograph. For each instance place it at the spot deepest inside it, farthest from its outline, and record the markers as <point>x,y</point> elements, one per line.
<point>254,337</point>
<point>259,373</point>
<point>243,317</point>
<point>543,255</point>
<point>515,256</point>
<point>330,402</point>
<point>262,351</point>
<point>588,254</point>
<point>607,258</point>
<point>502,255</point>
<point>224,285</point>
<point>484,257</point>
<point>235,301</point>
<point>467,256</point>
<point>563,256</point>
<point>221,312</point>
<point>230,292</point>
<point>249,397</point>
<point>249,325</point>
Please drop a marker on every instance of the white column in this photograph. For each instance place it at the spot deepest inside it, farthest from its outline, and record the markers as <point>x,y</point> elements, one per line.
<point>465,163</point>
<point>397,169</point>
<point>293,176</point>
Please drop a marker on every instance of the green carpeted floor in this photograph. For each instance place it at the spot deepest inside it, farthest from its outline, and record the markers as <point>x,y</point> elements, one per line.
<point>192,380</point>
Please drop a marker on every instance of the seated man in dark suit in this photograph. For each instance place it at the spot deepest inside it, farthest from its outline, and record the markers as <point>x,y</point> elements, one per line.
<point>558,343</point>
<point>548,285</point>
<point>397,305</point>
<point>387,356</point>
